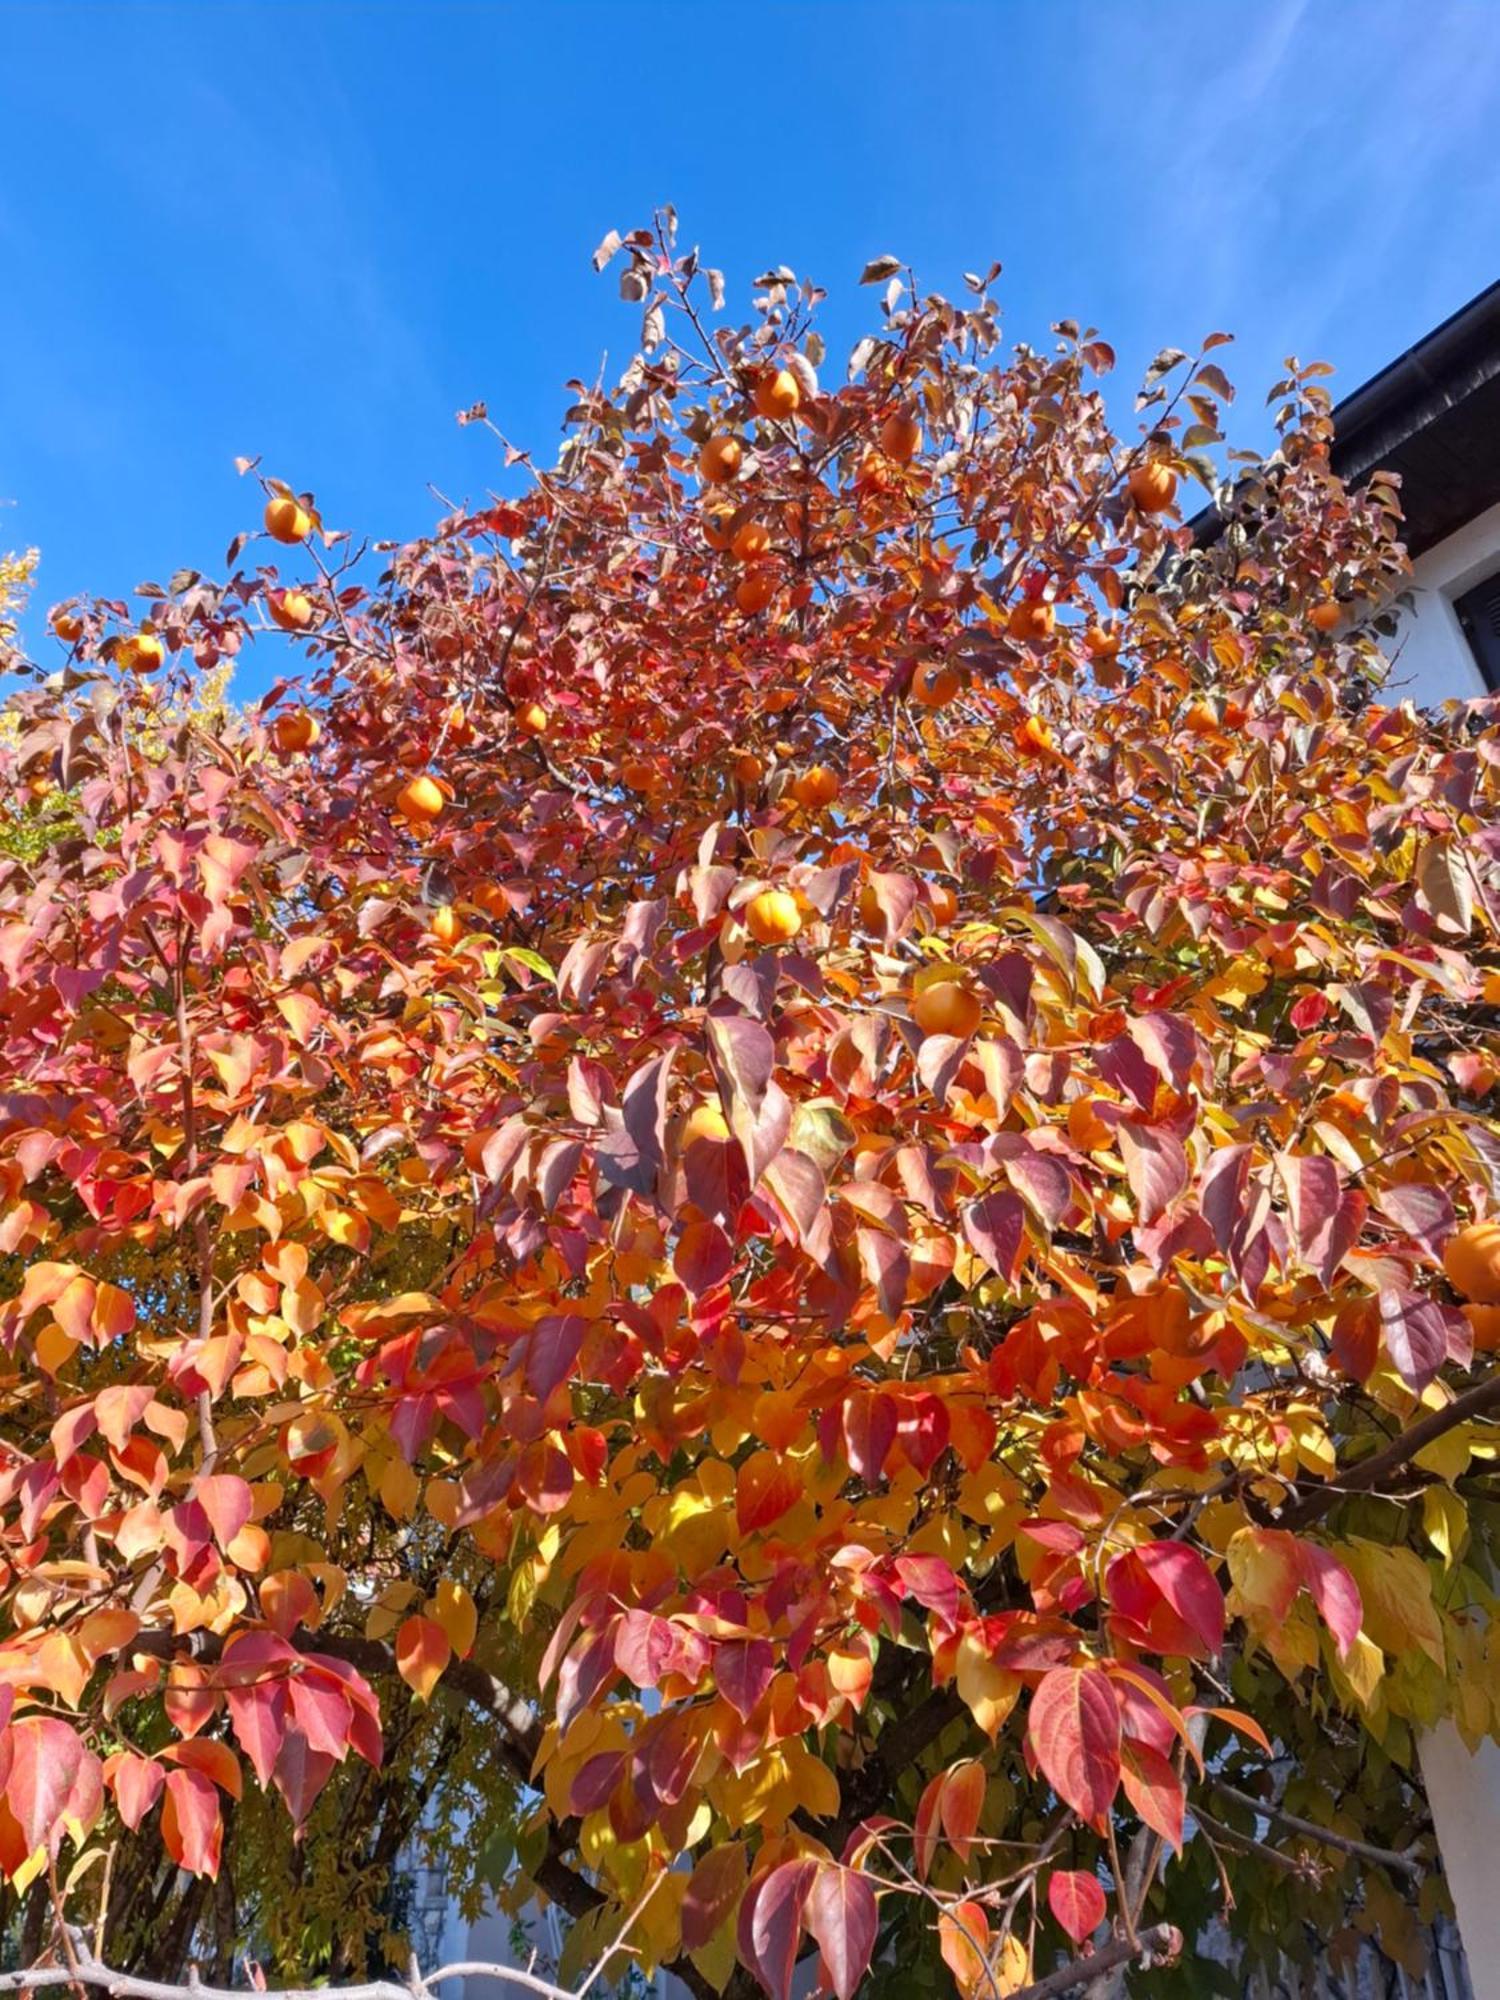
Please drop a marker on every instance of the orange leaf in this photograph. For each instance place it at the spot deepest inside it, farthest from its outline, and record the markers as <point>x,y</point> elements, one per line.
<point>422,1652</point>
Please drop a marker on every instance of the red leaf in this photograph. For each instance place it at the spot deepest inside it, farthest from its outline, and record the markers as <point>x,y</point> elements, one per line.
<point>258,1716</point>
<point>993,1226</point>
<point>645,1647</point>
<point>136,1782</point>
<point>227,1501</point>
<point>744,1669</point>
<point>764,1491</point>
<point>594,1784</point>
<point>1188,1585</point>
<point>869,1433</point>
<point>1335,1593</point>
<point>1155,1790</point>
<point>1312,1191</point>
<point>322,1711</point>
<point>46,1759</point>
<point>1077,1901</point>
<point>301,1773</point>
<point>191,1828</point>
<point>960,1804</point>
<point>551,1349</point>
<point>631,1156</point>
<point>771,1924</point>
<point>1415,1331</point>
<point>1155,1166</point>
<point>1074,1728</point>
<point>932,1583</point>
<point>743,1055</point>
<point>842,1916</point>
<point>704,1257</point>
<point>713,1889</point>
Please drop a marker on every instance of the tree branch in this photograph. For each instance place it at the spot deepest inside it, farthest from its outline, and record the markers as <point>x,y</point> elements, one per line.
<point>1360,1478</point>
<point>1157,1945</point>
<point>897,1747</point>
<point>87,1971</point>
<point>1384,1857</point>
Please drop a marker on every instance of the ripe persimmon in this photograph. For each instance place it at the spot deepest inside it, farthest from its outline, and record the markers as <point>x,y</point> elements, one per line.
<point>141,653</point>
<point>1472,1261</point>
<point>294,730</point>
<point>1326,615</point>
<point>1485,1321</point>
<point>778,394</point>
<point>1031,620</point>
<point>935,683</point>
<point>718,526</point>
<point>942,901</point>
<point>719,460</point>
<point>1035,738</point>
<point>946,1006</point>
<point>287,521</point>
<point>457,726</point>
<point>68,628</point>
<point>749,768</point>
<point>1153,486</point>
<point>815,787</point>
<point>706,1121</point>
<point>421,799</point>
<point>772,917</point>
<point>292,610</point>
<point>751,541</point>
<point>755,590</point>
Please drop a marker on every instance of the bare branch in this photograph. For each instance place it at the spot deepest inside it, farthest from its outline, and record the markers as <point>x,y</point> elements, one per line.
<point>1384,1857</point>
<point>88,1971</point>
<point>1158,1945</point>
<point>1399,1452</point>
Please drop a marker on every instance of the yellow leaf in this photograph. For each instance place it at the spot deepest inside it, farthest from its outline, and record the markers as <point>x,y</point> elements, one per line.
<point>59,1664</point>
<point>1447,1457</point>
<point>400,1489</point>
<point>453,1609</point>
<point>988,1691</point>
<point>1395,1586</point>
<point>1362,1672</point>
<point>1445,1522</point>
<point>1264,1573</point>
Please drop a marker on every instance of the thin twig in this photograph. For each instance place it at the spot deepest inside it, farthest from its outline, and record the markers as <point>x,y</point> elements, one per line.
<point>1384,1857</point>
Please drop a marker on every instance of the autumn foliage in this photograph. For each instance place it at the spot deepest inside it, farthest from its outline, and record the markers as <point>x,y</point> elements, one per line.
<point>781,1149</point>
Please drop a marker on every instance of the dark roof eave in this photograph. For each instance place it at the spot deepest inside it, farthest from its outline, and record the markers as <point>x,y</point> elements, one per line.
<point>1413,396</point>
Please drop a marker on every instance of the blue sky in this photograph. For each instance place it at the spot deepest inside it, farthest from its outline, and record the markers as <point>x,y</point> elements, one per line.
<point>314,229</point>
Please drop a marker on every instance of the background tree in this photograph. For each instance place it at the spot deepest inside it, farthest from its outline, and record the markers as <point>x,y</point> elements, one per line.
<point>788,1173</point>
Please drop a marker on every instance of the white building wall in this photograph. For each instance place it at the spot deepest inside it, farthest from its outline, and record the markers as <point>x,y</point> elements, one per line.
<point>1431,660</point>
<point>1432,663</point>
<point>1464,1793</point>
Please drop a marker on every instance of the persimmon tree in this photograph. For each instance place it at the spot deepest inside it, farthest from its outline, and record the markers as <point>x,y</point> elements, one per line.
<point>779,1184</point>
